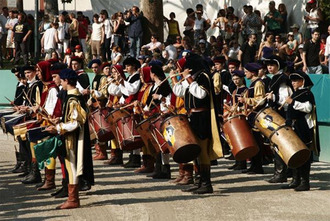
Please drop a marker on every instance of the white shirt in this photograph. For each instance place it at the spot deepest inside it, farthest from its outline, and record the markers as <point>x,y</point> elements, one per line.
<point>11,22</point>
<point>327,47</point>
<point>172,52</point>
<point>97,31</point>
<point>51,101</point>
<point>199,24</point>
<point>179,89</point>
<point>130,88</point>
<point>63,28</point>
<point>107,28</point>
<point>49,38</point>
<point>153,45</point>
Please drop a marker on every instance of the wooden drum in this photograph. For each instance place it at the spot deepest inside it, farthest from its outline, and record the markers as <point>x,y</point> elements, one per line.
<point>100,128</point>
<point>240,138</point>
<point>182,142</point>
<point>288,145</point>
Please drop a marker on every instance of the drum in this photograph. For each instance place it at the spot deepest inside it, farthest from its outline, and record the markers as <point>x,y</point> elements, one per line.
<point>149,129</point>
<point>240,138</point>
<point>124,125</point>
<point>6,111</point>
<point>288,145</point>
<point>99,126</point>
<point>182,142</point>
<point>36,134</point>
<point>20,130</point>
<point>8,121</point>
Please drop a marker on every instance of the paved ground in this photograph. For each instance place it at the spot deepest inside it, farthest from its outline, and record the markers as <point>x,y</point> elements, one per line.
<point>121,195</point>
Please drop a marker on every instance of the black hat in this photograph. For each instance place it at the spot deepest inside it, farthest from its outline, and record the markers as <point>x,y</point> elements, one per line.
<point>275,60</point>
<point>132,61</point>
<point>94,61</point>
<point>238,73</point>
<point>76,58</point>
<point>28,67</point>
<point>219,59</point>
<point>302,75</point>
<point>16,69</point>
<point>68,74</point>
<point>57,68</point>
<point>234,62</point>
<point>253,67</point>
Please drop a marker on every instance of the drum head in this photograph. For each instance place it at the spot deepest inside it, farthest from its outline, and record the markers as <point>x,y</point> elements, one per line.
<point>299,158</point>
<point>186,153</point>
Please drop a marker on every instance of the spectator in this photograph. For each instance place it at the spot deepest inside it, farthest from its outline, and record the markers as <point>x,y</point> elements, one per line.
<point>189,24</point>
<point>171,50</point>
<point>248,51</point>
<point>251,23</point>
<point>21,30</point>
<point>49,40</point>
<point>327,50</point>
<point>108,31</point>
<point>79,53</point>
<point>273,19</point>
<point>97,37</point>
<point>296,34</point>
<point>233,50</point>
<point>266,45</point>
<point>314,16</point>
<point>199,28</point>
<point>135,32</point>
<point>3,20</point>
<point>284,14</point>
<point>63,34</point>
<point>44,25</point>
<point>116,56</point>
<point>173,27</point>
<point>153,45</point>
<point>119,27</point>
<point>9,27</point>
<point>221,22</point>
<point>74,31</point>
<point>311,58</point>
<point>290,47</point>
<point>82,30</point>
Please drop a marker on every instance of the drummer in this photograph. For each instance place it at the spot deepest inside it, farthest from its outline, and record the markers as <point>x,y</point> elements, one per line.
<point>280,88</point>
<point>301,116</point>
<point>197,92</point>
<point>97,101</point>
<point>116,155</point>
<point>254,101</point>
<point>237,107</point>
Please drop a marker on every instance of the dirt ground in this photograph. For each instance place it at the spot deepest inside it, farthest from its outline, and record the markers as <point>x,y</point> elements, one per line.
<point>119,194</point>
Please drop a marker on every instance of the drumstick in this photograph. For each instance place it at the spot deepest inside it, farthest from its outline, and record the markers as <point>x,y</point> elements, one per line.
<point>11,102</point>
<point>128,105</point>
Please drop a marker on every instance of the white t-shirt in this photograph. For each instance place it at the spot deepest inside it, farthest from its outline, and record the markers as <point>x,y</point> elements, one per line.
<point>63,28</point>
<point>199,24</point>
<point>172,52</point>
<point>107,28</point>
<point>97,31</point>
<point>49,39</point>
<point>11,22</point>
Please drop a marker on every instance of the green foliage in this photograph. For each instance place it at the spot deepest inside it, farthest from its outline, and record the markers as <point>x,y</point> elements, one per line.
<point>325,6</point>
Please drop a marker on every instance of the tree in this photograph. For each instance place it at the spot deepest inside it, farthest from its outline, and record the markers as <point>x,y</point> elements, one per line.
<point>154,24</point>
<point>51,8</point>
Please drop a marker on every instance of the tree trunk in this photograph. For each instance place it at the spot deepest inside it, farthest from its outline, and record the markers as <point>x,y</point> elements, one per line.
<point>153,22</point>
<point>19,5</point>
<point>51,8</point>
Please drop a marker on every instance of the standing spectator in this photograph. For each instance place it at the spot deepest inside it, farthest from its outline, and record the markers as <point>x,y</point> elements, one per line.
<point>189,24</point>
<point>108,30</point>
<point>74,31</point>
<point>173,27</point>
<point>3,20</point>
<point>49,40</point>
<point>63,34</point>
<point>311,58</point>
<point>21,30</point>
<point>221,22</point>
<point>314,16</point>
<point>135,32</point>
<point>273,19</point>
<point>119,31</point>
<point>284,14</point>
<point>44,25</point>
<point>199,27</point>
<point>9,26</point>
<point>251,23</point>
<point>248,51</point>
<point>82,30</point>
<point>97,37</point>
<point>327,50</point>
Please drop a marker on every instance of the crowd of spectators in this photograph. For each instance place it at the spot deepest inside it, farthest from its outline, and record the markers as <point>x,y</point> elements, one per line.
<point>112,38</point>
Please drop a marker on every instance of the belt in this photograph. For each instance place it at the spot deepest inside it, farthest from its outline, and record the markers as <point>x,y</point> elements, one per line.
<point>197,110</point>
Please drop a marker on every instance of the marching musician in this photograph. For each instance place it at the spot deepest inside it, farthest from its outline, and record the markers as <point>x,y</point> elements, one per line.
<point>237,107</point>
<point>253,99</point>
<point>301,116</point>
<point>197,90</point>
<point>74,128</point>
<point>83,79</point>
<point>279,89</point>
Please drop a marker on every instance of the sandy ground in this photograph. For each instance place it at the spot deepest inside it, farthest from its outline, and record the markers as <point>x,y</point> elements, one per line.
<point>119,194</point>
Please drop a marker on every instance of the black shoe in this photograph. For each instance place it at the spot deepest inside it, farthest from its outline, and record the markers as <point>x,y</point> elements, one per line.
<point>63,193</point>
<point>230,157</point>
<point>256,171</point>
<point>165,173</point>
<point>34,176</point>
<point>204,189</point>
<point>84,185</point>
<point>214,162</point>
<point>248,170</point>
<point>40,184</point>
<point>291,185</point>
<point>18,163</point>
<point>232,167</point>
<point>303,186</point>
<point>191,188</point>
<point>57,192</point>
<point>134,163</point>
<point>277,179</point>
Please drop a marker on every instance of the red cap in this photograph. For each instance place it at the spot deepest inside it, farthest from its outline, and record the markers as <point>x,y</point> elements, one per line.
<point>68,51</point>
<point>77,47</point>
<point>311,2</point>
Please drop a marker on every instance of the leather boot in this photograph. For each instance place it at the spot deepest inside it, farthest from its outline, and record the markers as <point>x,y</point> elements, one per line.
<point>103,152</point>
<point>148,164</point>
<point>97,150</point>
<point>206,186</point>
<point>116,157</point>
<point>197,180</point>
<point>130,156</point>
<point>64,190</point>
<point>135,162</point>
<point>84,185</point>
<point>34,176</point>
<point>165,172</point>
<point>241,165</point>
<point>304,171</point>
<point>18,163</point>
<point>188,175</point>
<point>295,180</point>
<point>158,166</point>
<point>25,168</point>
<point>73,200</point>
<point>43,181</point>
<point>280,171</point>
<point>59,190</point>
<point>50,180</point>
<point>181,174</point>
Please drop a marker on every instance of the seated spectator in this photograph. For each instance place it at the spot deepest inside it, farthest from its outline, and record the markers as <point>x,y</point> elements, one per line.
<point>154,44</point>
<point>116,56</point>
